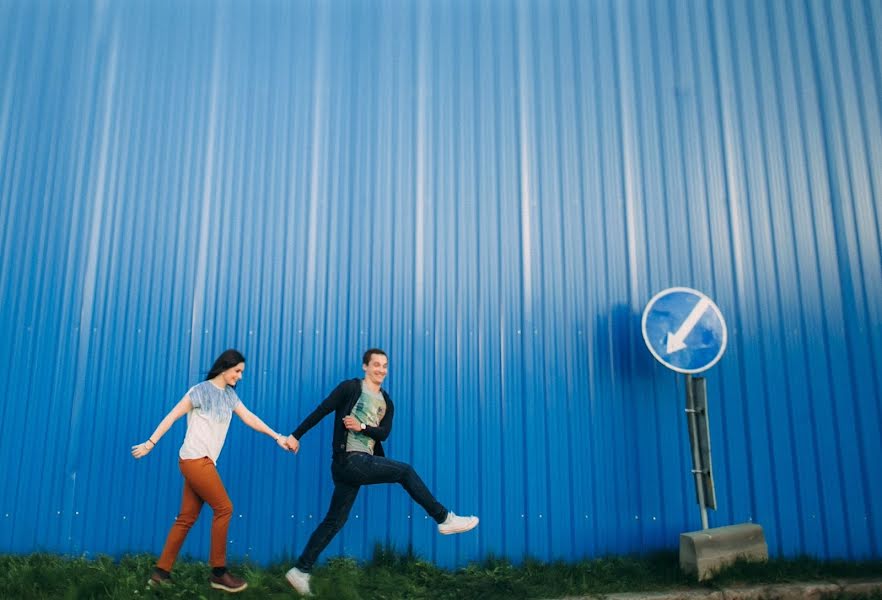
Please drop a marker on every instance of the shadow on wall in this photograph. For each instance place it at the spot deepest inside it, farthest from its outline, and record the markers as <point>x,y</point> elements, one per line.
<point>620,348</point>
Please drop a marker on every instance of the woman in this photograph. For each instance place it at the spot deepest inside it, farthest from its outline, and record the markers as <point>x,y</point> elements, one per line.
<point>209,407</point>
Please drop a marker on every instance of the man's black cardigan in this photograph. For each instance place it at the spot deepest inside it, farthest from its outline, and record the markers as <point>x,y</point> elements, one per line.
<point>342,400</point>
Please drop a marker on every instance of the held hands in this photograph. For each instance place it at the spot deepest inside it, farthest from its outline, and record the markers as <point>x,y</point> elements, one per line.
<point>351,423</point>
<point>285,443</point>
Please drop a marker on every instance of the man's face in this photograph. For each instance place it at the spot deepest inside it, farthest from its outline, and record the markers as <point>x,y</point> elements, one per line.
<point>375,370</point>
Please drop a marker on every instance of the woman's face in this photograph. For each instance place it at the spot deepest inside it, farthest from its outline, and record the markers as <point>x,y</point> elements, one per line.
<point>232,375</point>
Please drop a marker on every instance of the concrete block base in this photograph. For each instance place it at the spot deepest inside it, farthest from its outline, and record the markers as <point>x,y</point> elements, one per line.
<point>704,553</point>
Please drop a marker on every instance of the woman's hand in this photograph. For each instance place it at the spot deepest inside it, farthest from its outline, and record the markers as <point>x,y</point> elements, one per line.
<point>282,441</point>
<point>143,449</point>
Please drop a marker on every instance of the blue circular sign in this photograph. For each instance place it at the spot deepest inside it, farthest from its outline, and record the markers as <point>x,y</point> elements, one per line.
<point>684,330</point>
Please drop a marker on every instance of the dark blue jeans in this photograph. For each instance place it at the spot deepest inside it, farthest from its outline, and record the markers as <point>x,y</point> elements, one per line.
<point>351,472</point>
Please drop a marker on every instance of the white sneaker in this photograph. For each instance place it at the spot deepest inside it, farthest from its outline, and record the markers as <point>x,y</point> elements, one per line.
<point>456,524</point>
<point>298,580</point>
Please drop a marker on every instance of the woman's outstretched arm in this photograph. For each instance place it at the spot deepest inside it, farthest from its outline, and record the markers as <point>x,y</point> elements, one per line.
<point>180,409</point>
<point>255,423</point>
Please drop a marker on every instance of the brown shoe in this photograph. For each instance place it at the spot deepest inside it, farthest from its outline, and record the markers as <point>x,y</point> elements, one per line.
<point>158,579</point>
<point>227,583</point>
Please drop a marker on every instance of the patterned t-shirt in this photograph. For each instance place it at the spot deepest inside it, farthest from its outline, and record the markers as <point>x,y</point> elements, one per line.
<point>370,410</point>
<point>208,422</point>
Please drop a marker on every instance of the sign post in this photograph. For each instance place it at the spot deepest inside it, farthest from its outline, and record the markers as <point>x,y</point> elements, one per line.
<point>696,415</point>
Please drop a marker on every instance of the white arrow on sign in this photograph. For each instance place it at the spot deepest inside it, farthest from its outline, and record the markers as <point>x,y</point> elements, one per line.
<point>675,340</point>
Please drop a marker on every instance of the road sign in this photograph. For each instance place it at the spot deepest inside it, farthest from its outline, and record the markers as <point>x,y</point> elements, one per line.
<point>684,330</point>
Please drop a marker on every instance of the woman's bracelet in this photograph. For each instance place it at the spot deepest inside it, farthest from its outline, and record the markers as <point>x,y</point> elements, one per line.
<point>152,442</point>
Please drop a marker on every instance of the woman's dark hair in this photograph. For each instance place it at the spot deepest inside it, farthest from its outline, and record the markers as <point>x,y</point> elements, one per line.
<point>227,360</point>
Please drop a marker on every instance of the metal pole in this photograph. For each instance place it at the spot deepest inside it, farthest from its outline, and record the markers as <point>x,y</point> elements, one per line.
<point>698,468</point>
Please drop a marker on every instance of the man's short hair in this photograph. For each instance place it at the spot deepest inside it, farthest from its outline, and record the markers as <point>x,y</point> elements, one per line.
<point>366,359</point>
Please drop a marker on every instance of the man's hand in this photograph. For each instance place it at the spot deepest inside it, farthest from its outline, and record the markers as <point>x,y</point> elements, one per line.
<point>352,424</point>
<point>292,443</point>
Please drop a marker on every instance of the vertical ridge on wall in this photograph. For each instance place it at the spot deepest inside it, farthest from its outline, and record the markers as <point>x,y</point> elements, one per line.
<point>490,192</point>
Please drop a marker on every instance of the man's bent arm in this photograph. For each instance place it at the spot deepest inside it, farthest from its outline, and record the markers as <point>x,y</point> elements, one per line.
<point>381,432</point>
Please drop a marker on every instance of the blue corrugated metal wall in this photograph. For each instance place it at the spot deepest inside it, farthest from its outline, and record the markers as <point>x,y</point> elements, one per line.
<point>491,191</point>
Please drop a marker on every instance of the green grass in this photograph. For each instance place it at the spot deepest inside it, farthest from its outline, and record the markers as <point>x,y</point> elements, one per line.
<point>390,575</point>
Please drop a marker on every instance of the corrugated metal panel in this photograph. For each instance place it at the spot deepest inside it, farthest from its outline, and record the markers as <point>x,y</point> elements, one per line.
<point>492,192</point>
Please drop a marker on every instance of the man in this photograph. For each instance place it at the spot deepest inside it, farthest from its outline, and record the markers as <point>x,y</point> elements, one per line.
<point>364,414</point>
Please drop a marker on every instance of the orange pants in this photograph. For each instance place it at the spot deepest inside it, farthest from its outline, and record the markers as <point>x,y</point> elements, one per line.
<point>201,484</point>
